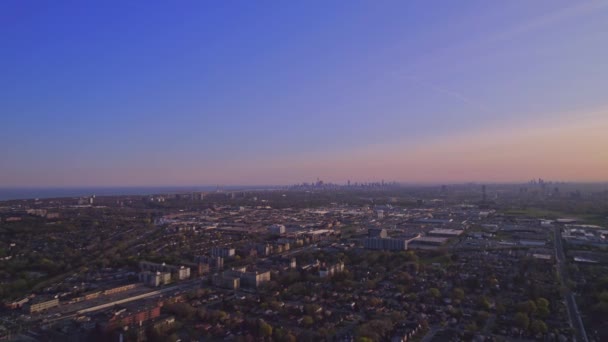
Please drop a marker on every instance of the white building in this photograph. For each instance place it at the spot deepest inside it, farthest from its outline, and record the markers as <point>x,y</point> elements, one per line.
<point>183,273</point>
<point>155,279</point>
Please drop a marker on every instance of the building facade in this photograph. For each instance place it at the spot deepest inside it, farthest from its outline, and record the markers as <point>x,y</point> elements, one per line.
<point>44,305</point>
<point>385,244</point>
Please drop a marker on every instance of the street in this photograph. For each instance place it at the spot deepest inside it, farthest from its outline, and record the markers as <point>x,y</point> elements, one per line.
<point>575,318</point>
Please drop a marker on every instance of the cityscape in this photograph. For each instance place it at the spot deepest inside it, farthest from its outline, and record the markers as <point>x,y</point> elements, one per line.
<point>338,171</point>
<point>378,261</point>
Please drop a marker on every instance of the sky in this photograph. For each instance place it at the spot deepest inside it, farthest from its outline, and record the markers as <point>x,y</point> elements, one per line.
<point>159,93</point>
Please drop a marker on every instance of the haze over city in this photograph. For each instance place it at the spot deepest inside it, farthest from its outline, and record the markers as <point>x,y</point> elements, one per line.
<point>304,171</point>
<point>158,93</point>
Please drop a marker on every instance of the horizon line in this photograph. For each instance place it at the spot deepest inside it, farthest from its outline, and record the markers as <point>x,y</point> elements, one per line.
<point>429,183</point>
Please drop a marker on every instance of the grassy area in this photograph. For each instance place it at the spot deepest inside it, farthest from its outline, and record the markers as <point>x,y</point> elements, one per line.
<point>553,214</point>
<point>594,219</point>
<point>538,213</point>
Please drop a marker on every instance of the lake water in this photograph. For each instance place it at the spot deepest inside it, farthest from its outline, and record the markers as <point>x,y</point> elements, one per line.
<point>30,193</point>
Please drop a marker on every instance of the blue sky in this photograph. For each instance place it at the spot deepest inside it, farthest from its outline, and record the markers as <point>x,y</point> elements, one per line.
<point>243,92</point>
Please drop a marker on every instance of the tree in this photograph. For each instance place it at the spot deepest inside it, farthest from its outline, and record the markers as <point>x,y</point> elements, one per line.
<point>311,309</point>
<point>202,314</point>
<point>219,316</point>
<point>283,335</point>
<point>538,327</point>
<point>434,292</point>
<point>522,320</point>
<point>264,328</point>
<point>500,308</point>
<point>484,303</point>
<point>364,339</point>
<point>374,301</point>
<point>458,294</point>
<point>155,334</point>
<point>600,309</point>
<point>471,327</point>
<point>542,303</point>
<point>375,329</point>
<point>528,307</point>
<point>278,334</point>
<point>482,317</point>
<point>306,336</point>
<point>307,321</point>
<point>404,278</point>
<point>181,310</point>
<point>543,311</point>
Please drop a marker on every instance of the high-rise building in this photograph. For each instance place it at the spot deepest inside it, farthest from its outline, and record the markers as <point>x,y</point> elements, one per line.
<point>203,269</point>
<point>292,263</point>
<point>328,271</point>
<point>155,279</point>
<point>183,273</point>
<point>223,252</point>
<point>248,278</point>
<point>377,233</point>
<point>214,263</point>
<point>277,229</point>
<point>226,281</point>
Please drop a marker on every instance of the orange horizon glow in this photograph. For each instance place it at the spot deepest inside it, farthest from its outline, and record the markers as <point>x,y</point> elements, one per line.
<point>573,148</point>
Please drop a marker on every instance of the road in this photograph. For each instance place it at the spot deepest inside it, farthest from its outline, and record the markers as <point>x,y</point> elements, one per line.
<point>575,318</point>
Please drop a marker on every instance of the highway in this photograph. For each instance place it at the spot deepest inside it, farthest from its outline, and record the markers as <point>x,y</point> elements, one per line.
<point>575,318</point>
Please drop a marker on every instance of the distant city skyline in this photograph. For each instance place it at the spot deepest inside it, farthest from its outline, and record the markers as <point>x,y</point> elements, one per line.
<point>246,93</point>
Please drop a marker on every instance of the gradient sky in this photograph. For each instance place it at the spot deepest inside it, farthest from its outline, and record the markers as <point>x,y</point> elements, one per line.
<point>132,93</point>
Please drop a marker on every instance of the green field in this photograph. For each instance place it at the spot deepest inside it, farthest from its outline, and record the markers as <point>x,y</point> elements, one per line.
<point>552,215</point>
